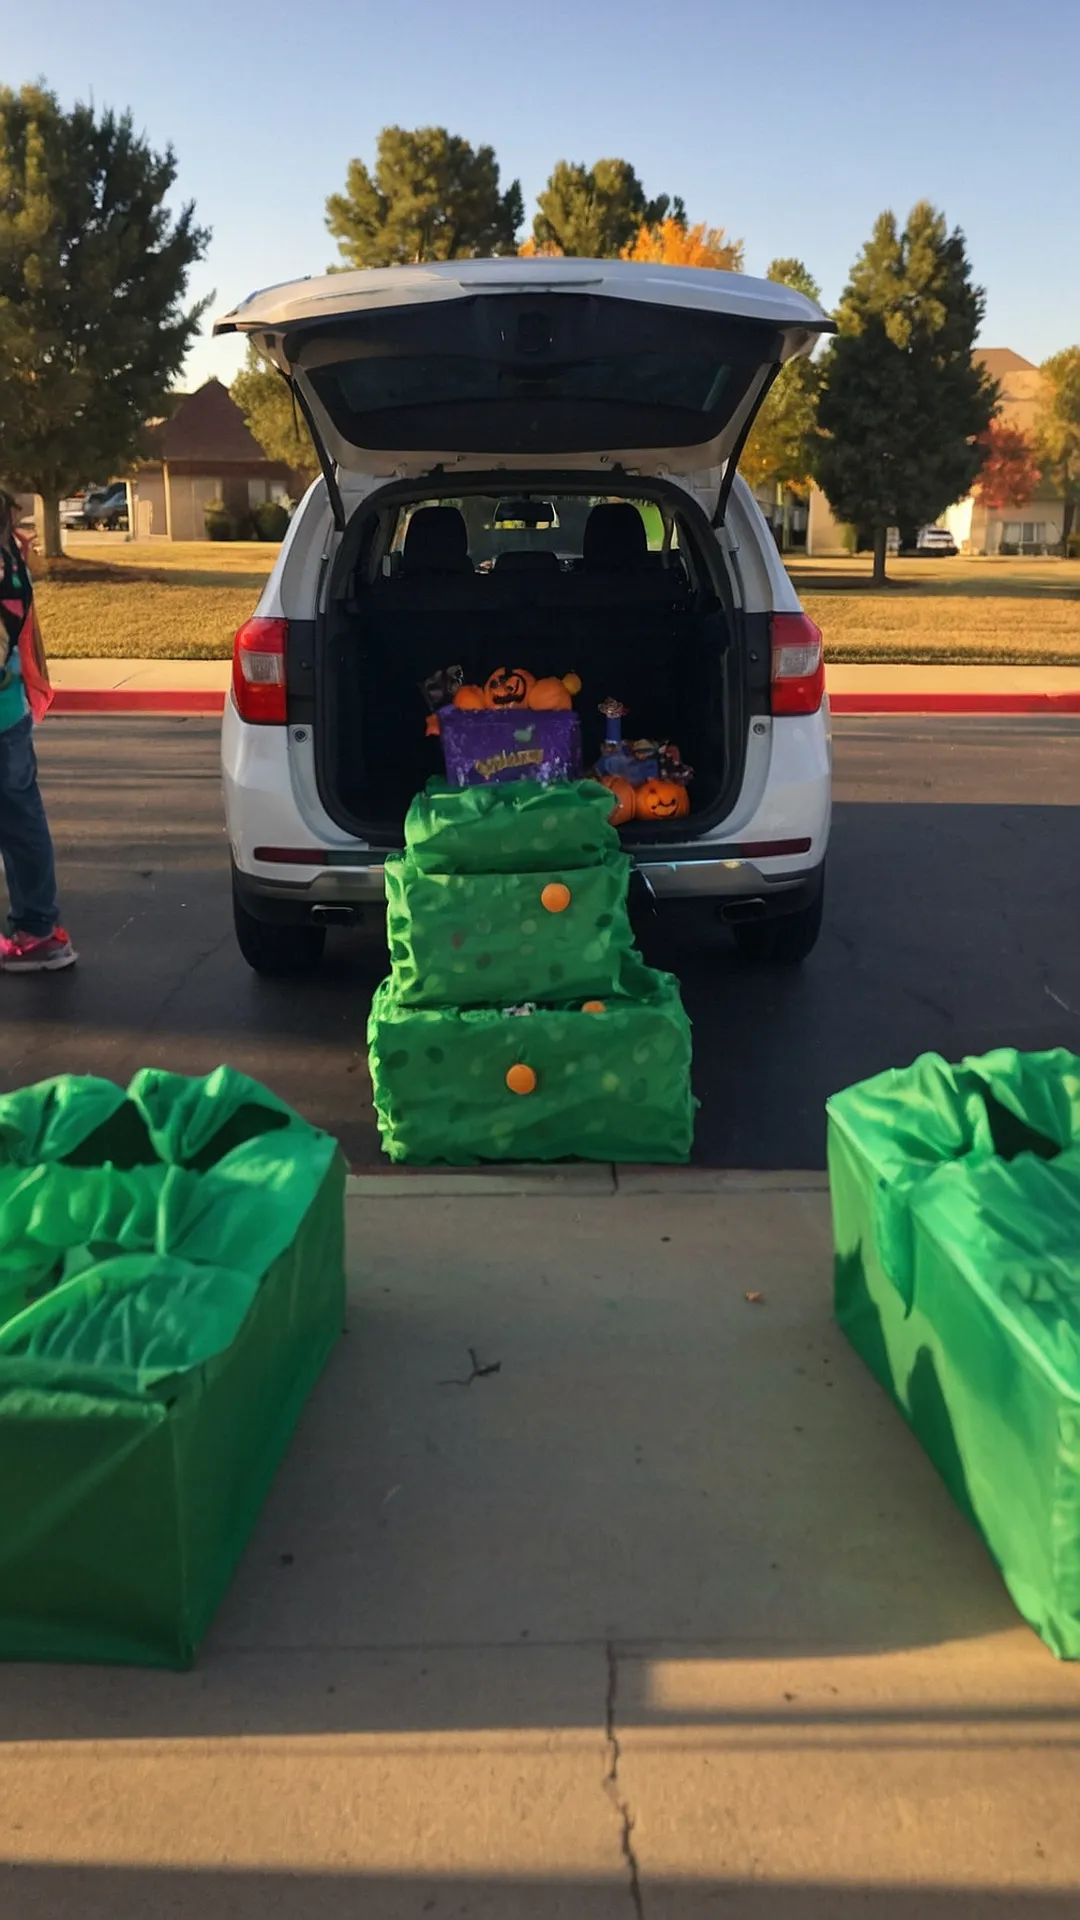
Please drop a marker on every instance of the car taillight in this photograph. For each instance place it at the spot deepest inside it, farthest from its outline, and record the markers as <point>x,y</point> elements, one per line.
<point>258,675</point>
<point>798,664</point>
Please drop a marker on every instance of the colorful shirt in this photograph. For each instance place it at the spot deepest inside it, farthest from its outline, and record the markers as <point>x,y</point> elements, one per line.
<point>15,598</point>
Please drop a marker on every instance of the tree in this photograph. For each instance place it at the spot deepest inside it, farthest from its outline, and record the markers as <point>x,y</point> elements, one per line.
<point>671,243</point>
<point>902,403</point>
<point>263,396</point>
<point>93,273</point>
<point>780,449</point>
<point>1058,432</point>
<point>432,197</point>
<point>596,213</point>
<point>1008,476</point>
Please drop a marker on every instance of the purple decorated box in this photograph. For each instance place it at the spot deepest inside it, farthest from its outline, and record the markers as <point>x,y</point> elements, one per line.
<point>482,748</point>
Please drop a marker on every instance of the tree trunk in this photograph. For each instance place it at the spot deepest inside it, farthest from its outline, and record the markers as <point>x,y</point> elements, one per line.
<point>52,545</point>
<point>881,536</point>
<point>1068,514</point>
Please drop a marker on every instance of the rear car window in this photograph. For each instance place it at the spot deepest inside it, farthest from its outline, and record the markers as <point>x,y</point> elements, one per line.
<point>563,373</point>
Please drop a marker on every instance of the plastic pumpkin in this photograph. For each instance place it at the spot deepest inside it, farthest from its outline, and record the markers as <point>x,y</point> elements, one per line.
<point>661,800</point>
<point>549,696</point>
<point>508,689</point>
<point>624,798</point>
<point>471,698</point>
<point>554,696</point>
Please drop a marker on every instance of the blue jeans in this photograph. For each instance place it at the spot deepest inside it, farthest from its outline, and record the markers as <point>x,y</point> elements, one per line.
<point>25,841</point>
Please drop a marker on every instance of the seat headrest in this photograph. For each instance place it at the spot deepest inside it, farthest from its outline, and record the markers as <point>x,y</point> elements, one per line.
<point>527,560</point>
<point>436,541</point>
<point>615,537</point>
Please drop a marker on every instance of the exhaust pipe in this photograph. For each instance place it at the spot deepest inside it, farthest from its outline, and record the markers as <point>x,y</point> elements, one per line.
<point>336,916</point>
<point>737,910</point>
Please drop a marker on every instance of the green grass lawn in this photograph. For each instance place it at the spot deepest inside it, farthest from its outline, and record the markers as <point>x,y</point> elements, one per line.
<point>1002,612</point>
<point>157,600</point>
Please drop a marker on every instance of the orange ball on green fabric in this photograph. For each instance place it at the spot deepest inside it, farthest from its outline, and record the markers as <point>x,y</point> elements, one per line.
<point>555,897</point>
<point>594,1006</point>
<point>521,1079</point>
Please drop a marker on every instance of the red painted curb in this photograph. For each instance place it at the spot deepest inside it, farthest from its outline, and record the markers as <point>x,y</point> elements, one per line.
<point>959,703</point>
<point>137,700</point>
<point>115,700</point>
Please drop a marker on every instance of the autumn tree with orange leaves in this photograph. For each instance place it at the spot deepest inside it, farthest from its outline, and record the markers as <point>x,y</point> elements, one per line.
<point>671,243</point>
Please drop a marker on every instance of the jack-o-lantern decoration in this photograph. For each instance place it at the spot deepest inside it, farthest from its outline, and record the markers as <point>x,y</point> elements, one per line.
<point>470,699</point>
<point>661,800</point>
<point>624,797</point>
<point>508,688</point>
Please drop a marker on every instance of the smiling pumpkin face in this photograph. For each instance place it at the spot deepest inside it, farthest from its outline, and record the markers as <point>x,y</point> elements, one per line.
<point>661,800</point>
<point>508,688</point>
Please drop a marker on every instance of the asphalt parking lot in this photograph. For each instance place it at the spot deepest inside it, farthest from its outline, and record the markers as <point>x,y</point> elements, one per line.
<point>951,923</point>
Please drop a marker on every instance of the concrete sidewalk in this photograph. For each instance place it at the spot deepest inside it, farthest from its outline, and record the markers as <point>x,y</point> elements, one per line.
<point>199,686</point>
<point>591,1587</point>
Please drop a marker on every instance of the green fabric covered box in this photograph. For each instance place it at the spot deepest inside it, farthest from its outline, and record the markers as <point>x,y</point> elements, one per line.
<point>956,1212</point>
<point>172,1283</point>
<point>469,939</point>
<point>610,1085</point>
<point>522,827</point>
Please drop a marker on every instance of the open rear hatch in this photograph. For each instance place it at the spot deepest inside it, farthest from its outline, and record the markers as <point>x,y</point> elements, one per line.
<point>525,363</point>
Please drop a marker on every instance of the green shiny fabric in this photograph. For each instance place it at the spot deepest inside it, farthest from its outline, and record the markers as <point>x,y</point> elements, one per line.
<point>956,1210</point>
<point>171,1283</point>
<point>471,939</point>
<point>609,1086</point>
<point>519,827</point>
<point>471,943</point>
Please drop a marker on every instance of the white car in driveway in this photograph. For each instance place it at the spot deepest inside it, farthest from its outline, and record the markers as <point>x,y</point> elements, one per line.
<point>527,463</point>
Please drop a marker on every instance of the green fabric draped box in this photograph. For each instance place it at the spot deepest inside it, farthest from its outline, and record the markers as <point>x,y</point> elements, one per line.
<point>470,939</point>
<point>171,1284</point>
<point>610,1085</point>
<point>956,1211</point>
<point>522,827</point>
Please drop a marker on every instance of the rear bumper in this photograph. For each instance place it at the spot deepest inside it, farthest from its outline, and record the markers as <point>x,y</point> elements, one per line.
<point>739,888</point>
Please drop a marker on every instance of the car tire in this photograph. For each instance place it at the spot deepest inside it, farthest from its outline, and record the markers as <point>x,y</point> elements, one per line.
<point>276,950</point>
<point>786,941</point>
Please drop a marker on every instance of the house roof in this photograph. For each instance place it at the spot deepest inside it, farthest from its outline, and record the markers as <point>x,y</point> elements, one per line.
<point>999,361</point>
<point>207,426</point>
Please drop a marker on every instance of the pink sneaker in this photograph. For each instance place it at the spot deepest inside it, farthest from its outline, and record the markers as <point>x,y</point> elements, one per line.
<point>30,953</point>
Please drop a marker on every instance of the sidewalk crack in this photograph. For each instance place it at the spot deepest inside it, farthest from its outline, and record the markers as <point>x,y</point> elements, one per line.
<point>612,1787</point>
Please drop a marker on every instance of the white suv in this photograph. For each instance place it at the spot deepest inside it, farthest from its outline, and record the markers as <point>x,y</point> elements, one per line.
<point>527,463</point>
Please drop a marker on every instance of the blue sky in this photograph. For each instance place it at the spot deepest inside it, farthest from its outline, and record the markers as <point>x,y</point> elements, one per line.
<point>791,124</point>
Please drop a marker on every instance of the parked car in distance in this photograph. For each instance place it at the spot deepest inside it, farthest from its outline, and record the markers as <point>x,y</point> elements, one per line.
<point>527,463</point>
<point>937,541</point>
<point>106,510</point>
<point>72,509</point>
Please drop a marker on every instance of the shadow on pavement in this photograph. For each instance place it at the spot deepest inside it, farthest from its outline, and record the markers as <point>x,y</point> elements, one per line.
<point>116,1893</point>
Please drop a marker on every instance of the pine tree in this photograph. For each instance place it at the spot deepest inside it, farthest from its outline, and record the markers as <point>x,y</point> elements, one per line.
<point>903,403</point>
<point>596,213</point>
<point>93,273</point>
<point>431,197</point>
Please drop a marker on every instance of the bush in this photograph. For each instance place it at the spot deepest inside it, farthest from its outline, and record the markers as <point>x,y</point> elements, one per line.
<point>271,520</point>
<point>1072,546</point>
<point>218,521</point>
